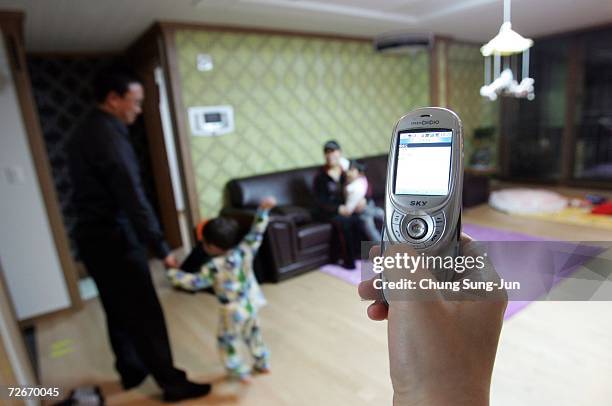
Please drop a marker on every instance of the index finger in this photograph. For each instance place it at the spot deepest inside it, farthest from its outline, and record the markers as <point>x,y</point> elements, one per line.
<point>367,291</point>
<point>374,251</point>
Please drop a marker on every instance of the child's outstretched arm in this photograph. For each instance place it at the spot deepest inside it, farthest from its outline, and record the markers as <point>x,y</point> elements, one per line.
<point>191,281</point>
<point>252,241</point>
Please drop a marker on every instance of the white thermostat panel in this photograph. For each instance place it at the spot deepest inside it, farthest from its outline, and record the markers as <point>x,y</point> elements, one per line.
<point>210,121</point>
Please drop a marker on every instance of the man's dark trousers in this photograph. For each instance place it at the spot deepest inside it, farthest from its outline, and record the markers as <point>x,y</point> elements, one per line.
<point>135,320</point>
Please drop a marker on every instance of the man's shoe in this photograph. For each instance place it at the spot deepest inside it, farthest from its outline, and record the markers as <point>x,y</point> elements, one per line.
<point>132,382</point>
<point>187,391</point>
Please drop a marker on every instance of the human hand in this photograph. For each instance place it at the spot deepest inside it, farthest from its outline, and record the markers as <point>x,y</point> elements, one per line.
<point>361,206</point>
<point>441,352</point>
<point>170,261</point>
<point>267,202</point>
<point>343,211</point>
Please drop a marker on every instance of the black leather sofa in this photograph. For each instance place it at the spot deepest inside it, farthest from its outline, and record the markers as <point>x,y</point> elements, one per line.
<point>294,243</point>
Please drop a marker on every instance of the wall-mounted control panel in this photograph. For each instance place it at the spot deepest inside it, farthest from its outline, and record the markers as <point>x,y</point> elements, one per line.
<point>207,121</point>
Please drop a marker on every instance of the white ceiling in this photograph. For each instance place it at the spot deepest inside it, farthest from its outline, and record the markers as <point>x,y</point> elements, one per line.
<point>110,25</point>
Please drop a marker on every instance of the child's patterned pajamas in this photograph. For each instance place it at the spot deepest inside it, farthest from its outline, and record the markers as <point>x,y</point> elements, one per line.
<point>231,334</point>
<point>233,280</point>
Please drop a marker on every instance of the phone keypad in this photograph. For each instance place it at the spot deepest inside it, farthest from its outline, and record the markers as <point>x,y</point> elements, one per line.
<point>438,221</point>
<point>397,218</point>
<point>396,222</point>
<point>398,232</point>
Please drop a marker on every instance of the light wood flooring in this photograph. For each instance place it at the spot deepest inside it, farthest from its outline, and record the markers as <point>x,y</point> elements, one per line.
<point>326,352</point>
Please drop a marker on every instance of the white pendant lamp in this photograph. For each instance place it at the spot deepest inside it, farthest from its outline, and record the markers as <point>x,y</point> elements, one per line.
<point>504,49</point>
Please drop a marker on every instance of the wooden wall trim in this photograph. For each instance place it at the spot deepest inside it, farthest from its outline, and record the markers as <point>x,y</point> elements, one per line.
<point>175,25</point>
<point>11,17</point>
<point>503,146</point>
<point>439,68</point>
<point>434,66</point>
<point>181,132</point>
<point>144,56</point>
<point>568,147</point>
<point>145,46</point>
<point>447,87</point>
<point>12,28</point>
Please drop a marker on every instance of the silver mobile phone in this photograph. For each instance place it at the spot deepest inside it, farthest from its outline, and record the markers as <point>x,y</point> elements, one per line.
<point>425,182</point>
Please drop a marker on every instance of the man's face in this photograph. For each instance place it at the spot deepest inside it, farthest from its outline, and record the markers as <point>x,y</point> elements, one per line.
<point>129,106</point>
<point>332,157</point>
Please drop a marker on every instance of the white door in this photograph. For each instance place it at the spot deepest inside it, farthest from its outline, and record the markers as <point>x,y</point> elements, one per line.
<point>28,252</point>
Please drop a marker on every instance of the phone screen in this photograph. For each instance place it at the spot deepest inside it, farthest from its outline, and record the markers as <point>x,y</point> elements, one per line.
<point>423,162</point>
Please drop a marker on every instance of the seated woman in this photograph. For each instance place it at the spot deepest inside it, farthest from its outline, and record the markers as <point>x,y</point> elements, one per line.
<point>329,186</point>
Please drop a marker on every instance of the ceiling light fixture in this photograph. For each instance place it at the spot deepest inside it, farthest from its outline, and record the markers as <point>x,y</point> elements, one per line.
<point>504,49</point>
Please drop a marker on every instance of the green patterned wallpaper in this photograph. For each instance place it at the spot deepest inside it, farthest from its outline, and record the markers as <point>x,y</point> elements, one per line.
<point>466,75</point>
<point>290,94</point>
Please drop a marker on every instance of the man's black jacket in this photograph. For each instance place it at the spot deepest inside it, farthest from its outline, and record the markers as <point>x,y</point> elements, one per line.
<point>108,190</point>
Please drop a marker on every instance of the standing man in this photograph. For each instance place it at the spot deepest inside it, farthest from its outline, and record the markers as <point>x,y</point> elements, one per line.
<point>115,226</point>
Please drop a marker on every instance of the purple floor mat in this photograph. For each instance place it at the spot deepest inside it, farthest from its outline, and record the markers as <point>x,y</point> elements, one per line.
<point>479,233</point>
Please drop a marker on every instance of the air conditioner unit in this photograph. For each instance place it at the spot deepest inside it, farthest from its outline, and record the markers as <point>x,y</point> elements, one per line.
<point>398,43</point>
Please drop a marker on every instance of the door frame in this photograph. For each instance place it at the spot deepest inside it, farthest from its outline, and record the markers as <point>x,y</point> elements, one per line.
<point>11,26</point>
<point>15,365</point>
<point>144,55</point>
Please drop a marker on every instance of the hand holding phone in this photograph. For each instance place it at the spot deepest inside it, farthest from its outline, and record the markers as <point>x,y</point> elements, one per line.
<point>425,181</point>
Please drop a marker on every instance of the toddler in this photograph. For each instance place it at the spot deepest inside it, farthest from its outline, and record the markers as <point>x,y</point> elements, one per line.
<point>355,193</point>
<point>228,268</point>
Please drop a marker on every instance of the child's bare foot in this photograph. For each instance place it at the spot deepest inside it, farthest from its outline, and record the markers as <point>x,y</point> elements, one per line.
<point>263,370</point>
<point>246,379</point>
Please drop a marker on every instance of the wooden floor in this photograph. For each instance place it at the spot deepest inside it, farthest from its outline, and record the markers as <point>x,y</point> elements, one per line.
<point>326,352</point>
<point>486,216</point>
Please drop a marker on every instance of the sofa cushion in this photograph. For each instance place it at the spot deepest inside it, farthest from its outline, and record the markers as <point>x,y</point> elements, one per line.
<point>299,215</point>
<point>291,188</point>
<point>313,234</point>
